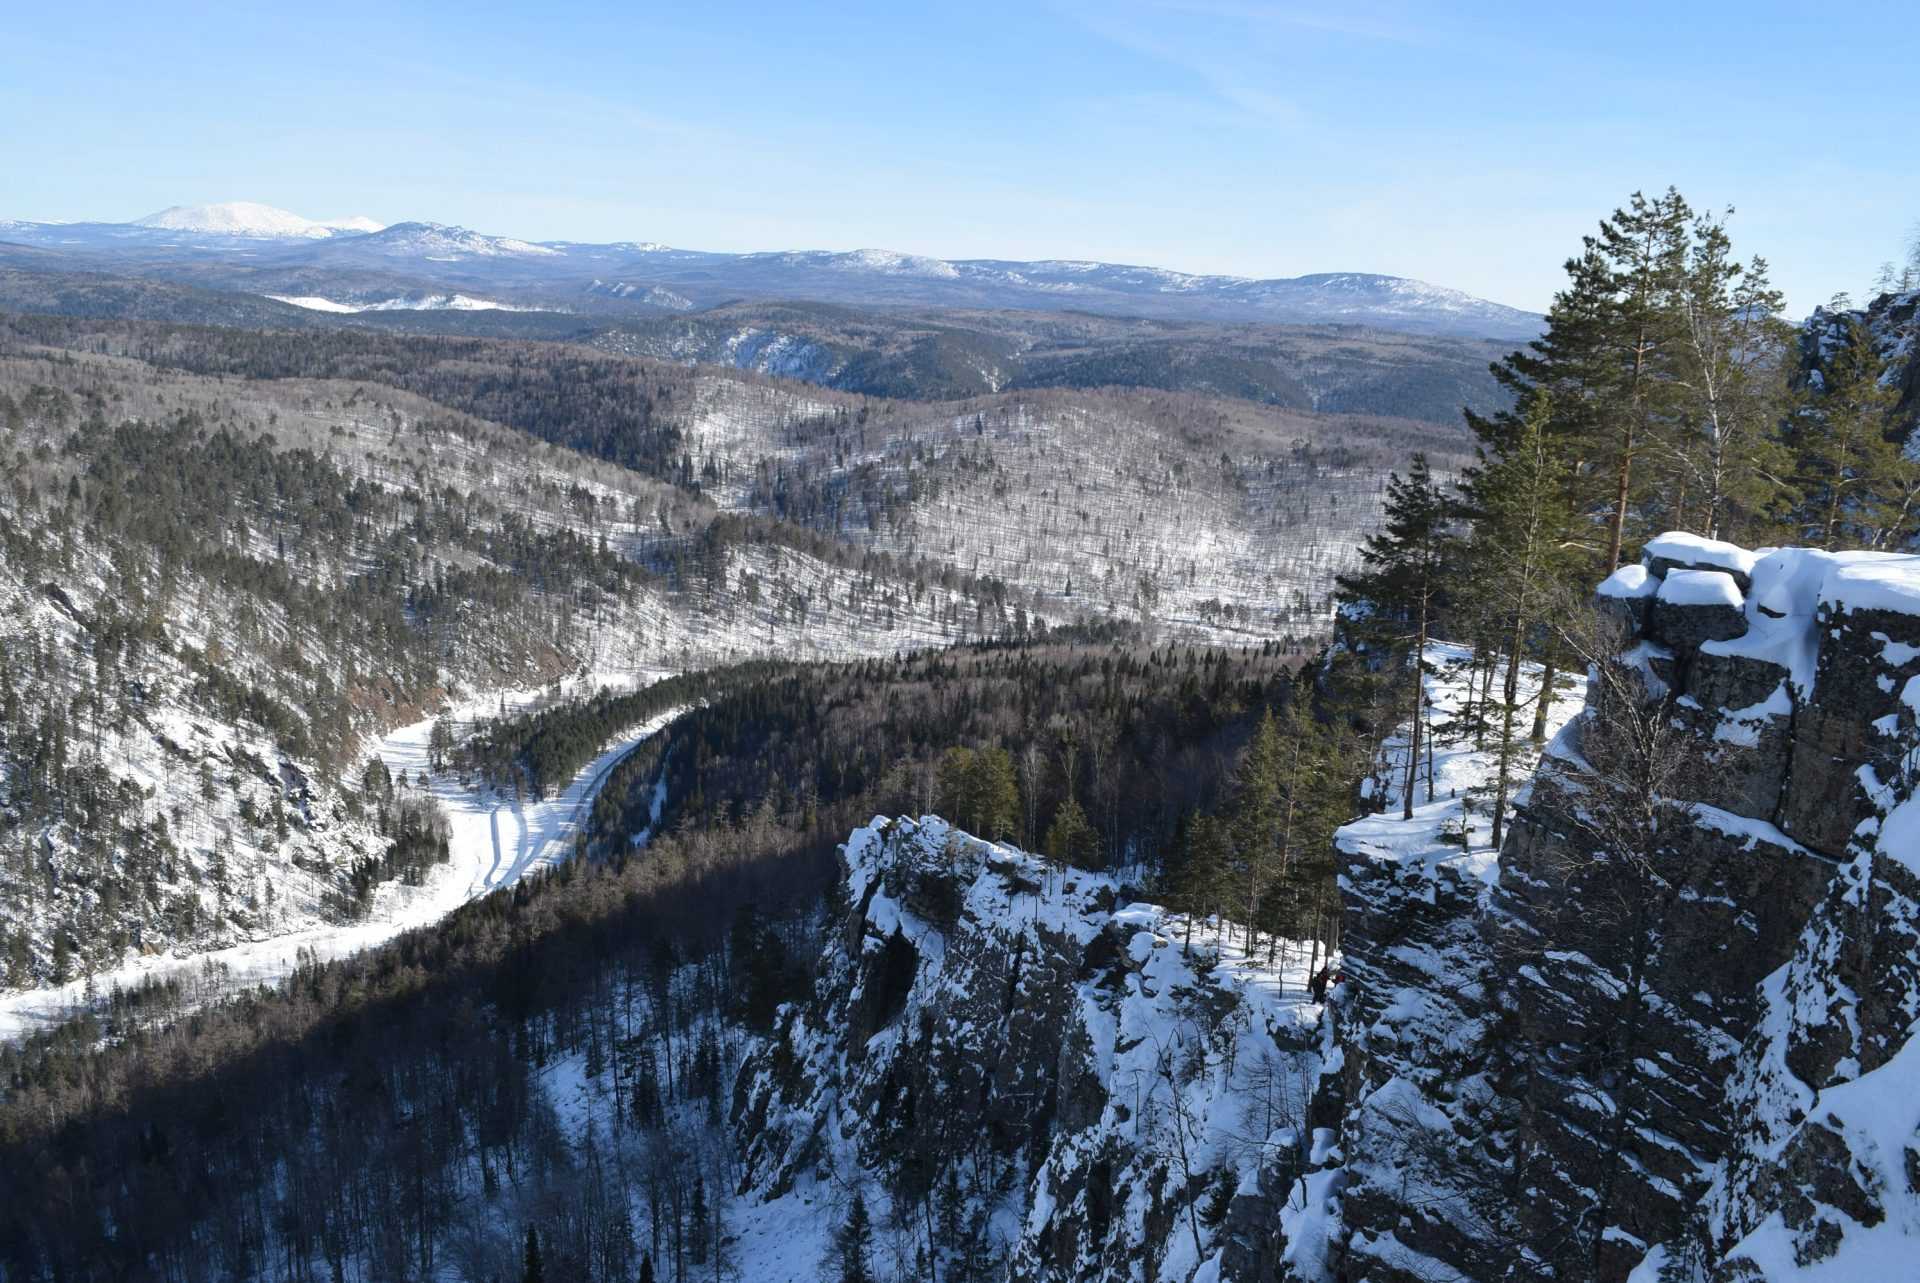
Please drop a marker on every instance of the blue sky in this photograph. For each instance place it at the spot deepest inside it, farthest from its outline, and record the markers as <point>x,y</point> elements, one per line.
<point>1464,144</point>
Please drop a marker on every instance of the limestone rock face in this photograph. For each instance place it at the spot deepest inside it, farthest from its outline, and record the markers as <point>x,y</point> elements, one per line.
<point>1695,1056</point>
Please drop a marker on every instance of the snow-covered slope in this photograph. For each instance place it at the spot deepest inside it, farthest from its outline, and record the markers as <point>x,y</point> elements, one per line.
<point>439,242</point>
<point>1099,505</point>
<point>493,840</point>
<point>185,782</point>
<point>405,303</point>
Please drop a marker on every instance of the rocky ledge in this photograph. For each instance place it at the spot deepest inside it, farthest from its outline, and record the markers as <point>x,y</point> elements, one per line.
<point>1689,1061</point>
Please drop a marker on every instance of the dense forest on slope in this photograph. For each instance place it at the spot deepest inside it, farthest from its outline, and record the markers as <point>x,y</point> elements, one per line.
<point>949,355</point>
<point>375,1116</point>
<point>1202,515</point>
<point>216,590</point>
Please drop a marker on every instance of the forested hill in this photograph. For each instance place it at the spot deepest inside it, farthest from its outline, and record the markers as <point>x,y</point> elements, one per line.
<point>232,558</point>
<point>217,591</point>
<point>1206,515</point>
<point>421,1106</point>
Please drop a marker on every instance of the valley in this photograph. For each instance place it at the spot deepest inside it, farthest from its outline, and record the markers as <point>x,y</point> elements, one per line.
<point>546,759</point>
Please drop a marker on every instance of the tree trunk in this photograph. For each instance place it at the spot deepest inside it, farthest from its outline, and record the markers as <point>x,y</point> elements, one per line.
<point>1419,698</point>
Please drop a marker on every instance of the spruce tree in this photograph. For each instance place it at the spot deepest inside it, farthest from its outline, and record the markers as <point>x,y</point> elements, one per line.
<point>1070,838</point>
<point>1256,817</point>
<point>853,1244</point>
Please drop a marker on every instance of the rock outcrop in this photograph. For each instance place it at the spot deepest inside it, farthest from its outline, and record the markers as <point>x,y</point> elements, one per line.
<point>1673,1051</point>
<point>1087,1090</point>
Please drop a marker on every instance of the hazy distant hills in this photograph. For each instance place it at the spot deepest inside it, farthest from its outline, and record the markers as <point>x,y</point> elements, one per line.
<point>247,247</point>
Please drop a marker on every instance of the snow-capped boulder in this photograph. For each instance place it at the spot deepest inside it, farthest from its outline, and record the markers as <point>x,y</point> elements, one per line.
<point>1667,553</point>
<point>1696,606</point>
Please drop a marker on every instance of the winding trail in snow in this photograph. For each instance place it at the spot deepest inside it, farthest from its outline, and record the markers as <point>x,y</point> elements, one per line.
<point>494,840</point>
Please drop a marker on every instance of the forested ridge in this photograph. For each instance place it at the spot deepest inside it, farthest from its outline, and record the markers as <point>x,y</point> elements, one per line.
<point>218,590</point>
<point>383,1112</point>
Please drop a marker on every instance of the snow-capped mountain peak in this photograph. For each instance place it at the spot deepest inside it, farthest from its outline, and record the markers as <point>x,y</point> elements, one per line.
<point>253,219</point>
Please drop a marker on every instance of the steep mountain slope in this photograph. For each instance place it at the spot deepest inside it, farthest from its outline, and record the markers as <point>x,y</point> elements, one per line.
<point>1892,321</point>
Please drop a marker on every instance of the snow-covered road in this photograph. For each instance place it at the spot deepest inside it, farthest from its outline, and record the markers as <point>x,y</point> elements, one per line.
<point>493,842</point>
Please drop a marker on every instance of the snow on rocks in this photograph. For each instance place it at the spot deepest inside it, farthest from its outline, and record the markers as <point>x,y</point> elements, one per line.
<point>1411,1011</point>
<point>1676,550</point>
<point>1122,1063</point>
<point>1769,1085</point>
<point>1631,580</point>
<point>1700,588</point>
<point>1879,583</point>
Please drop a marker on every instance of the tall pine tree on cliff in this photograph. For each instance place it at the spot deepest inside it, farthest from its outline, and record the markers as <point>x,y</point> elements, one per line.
<point>1392,598</point>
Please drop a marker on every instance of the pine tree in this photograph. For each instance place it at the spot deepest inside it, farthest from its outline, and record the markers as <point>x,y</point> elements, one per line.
<point>1848,469</point>
<point>1518,504</point>
<point>697,1223</point>
<point>1644,247</point>
<point>1721,461</point>
<point>1394,596</point>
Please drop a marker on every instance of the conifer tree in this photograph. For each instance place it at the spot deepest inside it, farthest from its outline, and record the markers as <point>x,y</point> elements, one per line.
<point>853,1244</point>
<point>1395,593</point>
<point>1070,837</point>
<point>1257,809</point>
<point>1197,889</point>
<point>1731,368</point>
<point>1643,246</point>
<point>531,1269</point>
<point>1848,469</point>
<point>1517,501</point>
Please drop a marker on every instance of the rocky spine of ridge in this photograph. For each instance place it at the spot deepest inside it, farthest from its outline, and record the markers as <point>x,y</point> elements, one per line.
<point>1583,1068</point>
<point>1109,1096</point>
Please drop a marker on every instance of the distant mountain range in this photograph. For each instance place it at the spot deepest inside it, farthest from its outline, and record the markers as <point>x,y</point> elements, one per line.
<point>355,264</point>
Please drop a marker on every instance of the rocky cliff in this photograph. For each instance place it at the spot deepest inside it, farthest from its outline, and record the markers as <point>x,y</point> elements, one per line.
<point>1040,1078</point>
<point>1677,1044</point>
<point>1661,1033</point>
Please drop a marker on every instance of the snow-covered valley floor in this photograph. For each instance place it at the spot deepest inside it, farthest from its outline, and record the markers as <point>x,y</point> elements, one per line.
<point>493,841</point>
